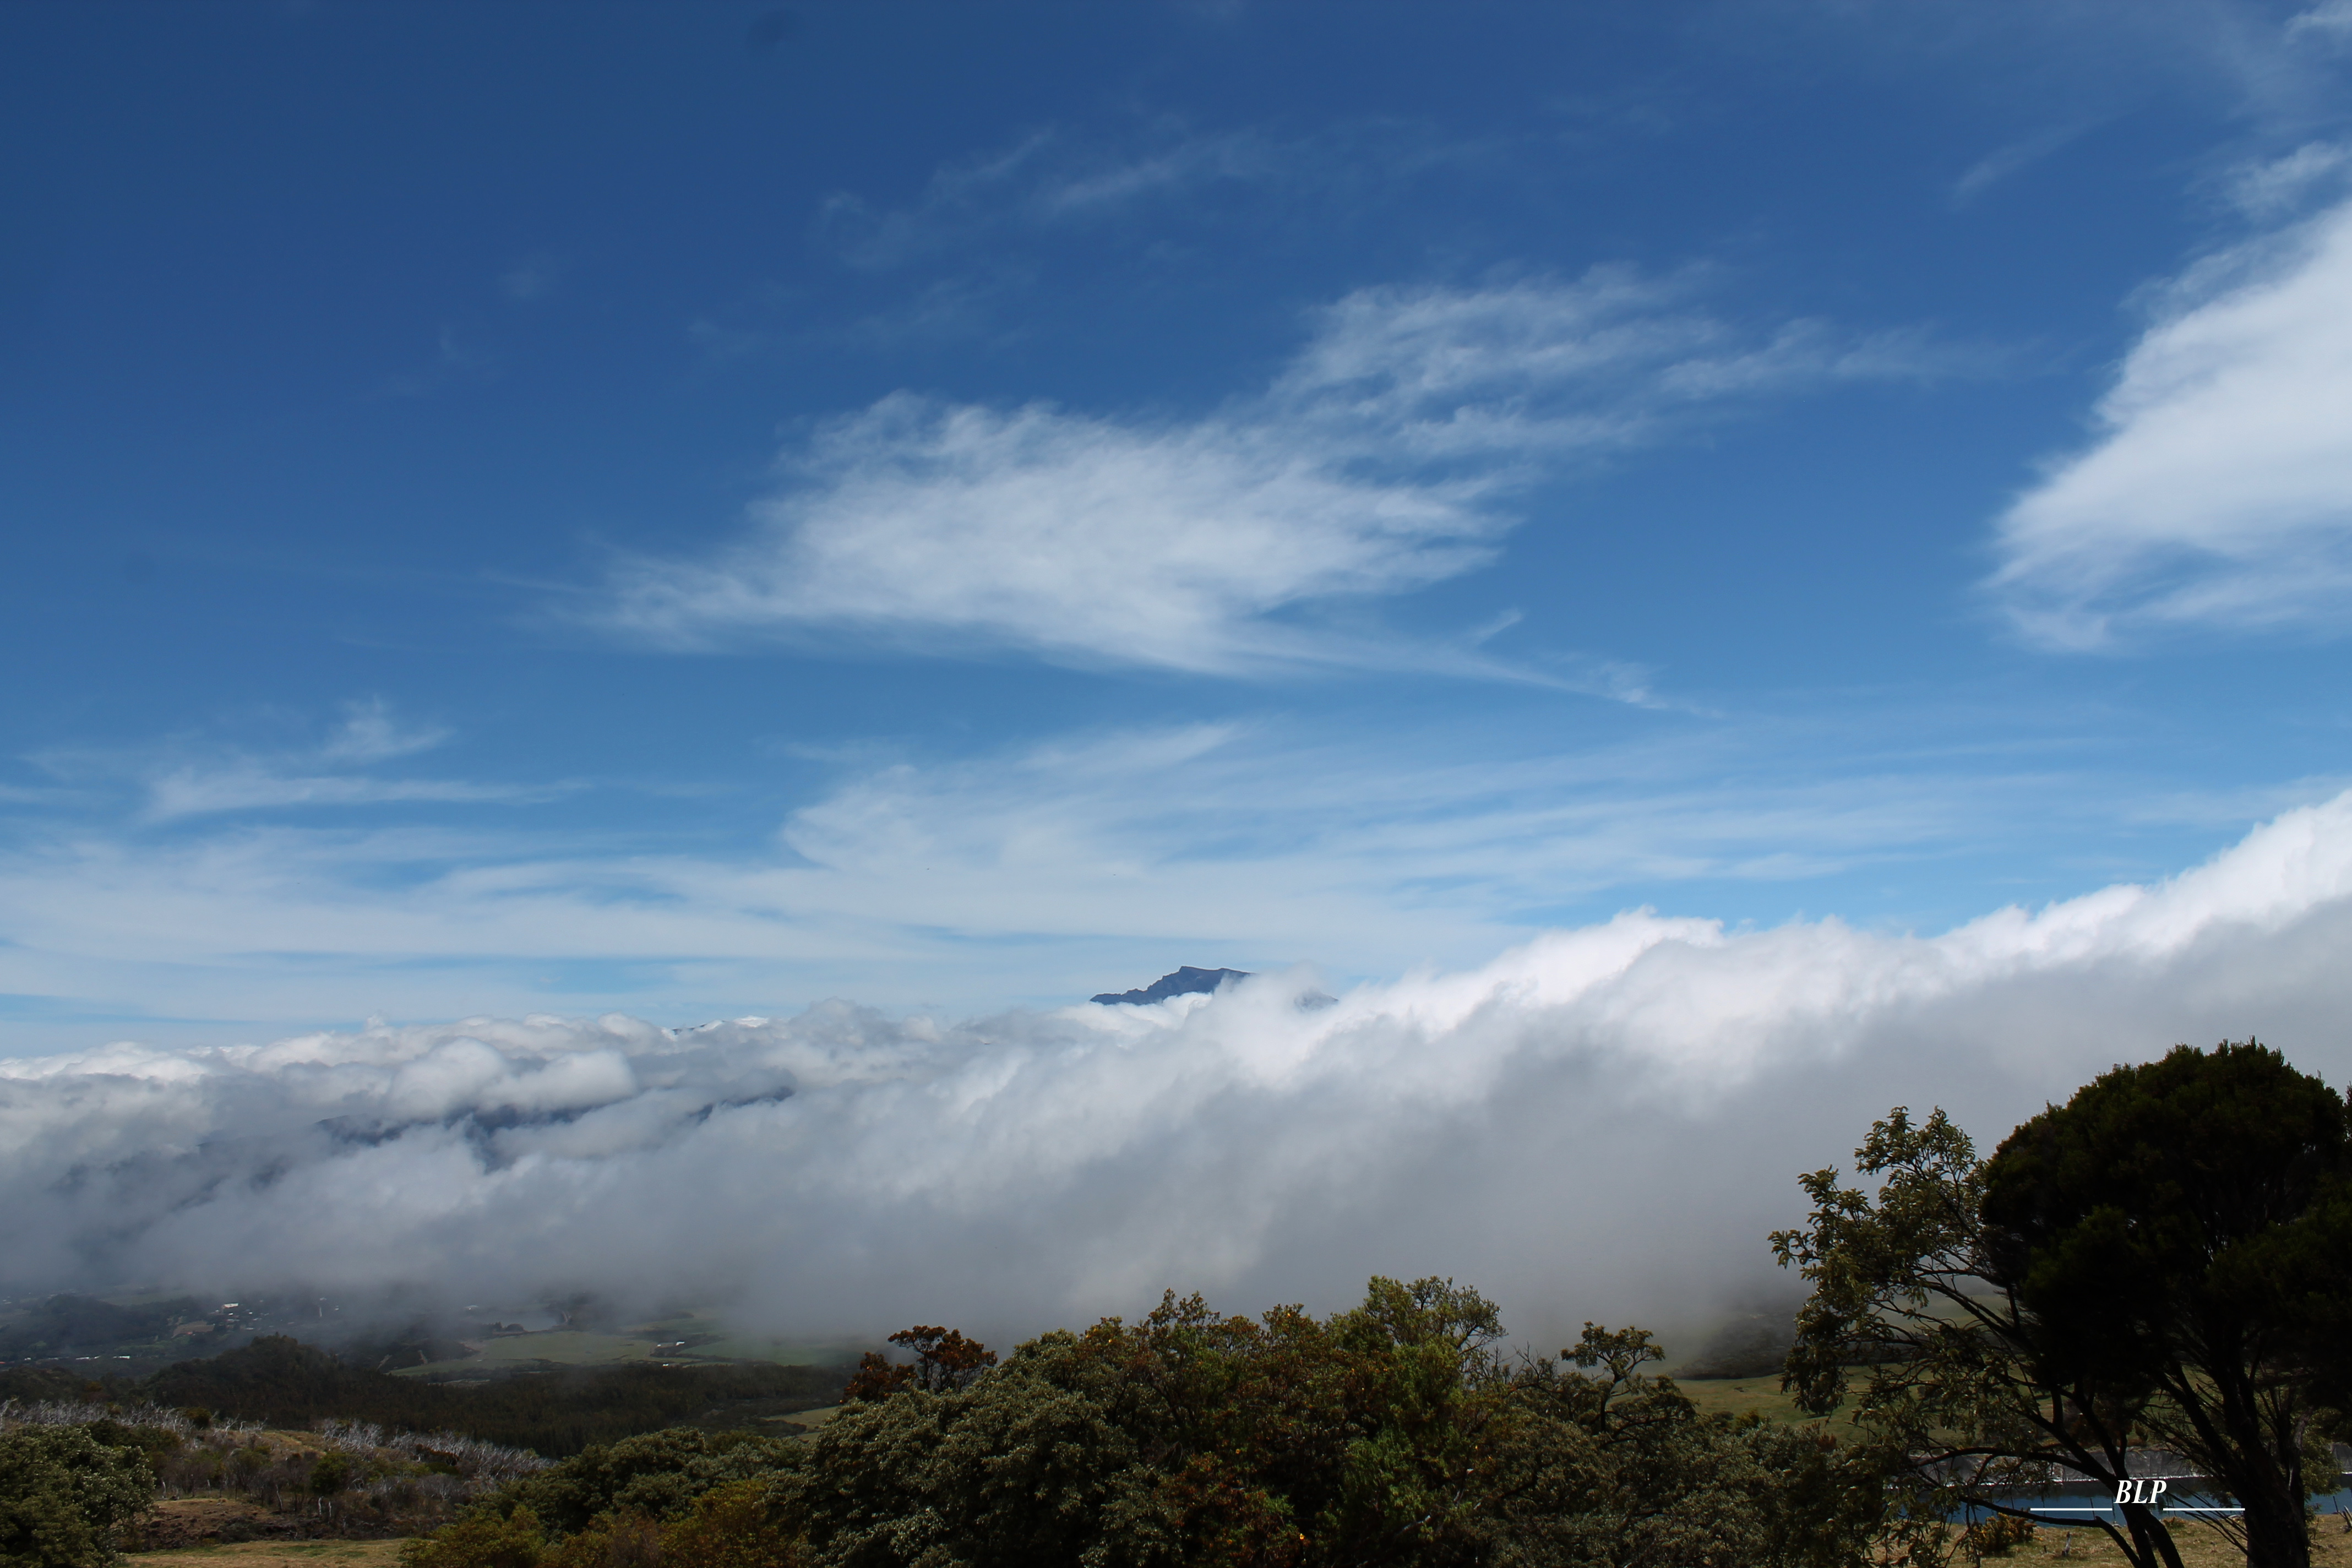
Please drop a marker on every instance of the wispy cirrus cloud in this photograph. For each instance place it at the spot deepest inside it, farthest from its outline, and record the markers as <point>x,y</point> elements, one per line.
<point>2218,494</point>
<point>193,791</point>
<point>341,770</point>
<point>2274,187</point>
<point>1378,462</point>
<point>2002,162</point>
<point>2330,20</point>
<point>1024,871</point>
<point>1053,180</point>
<point>371,733</point>
<point>1082,538</point>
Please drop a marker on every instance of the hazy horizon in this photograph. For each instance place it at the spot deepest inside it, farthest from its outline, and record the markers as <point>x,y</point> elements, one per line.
<point>1605,1123</point>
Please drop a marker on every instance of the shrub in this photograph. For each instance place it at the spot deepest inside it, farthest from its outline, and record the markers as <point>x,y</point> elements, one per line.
<point>736,1526</point>
<point>1998,1535</point>
<point>627,1540</point>
<point>65,1496</point>
<point>480,1540</point>
<point>659,1475</point>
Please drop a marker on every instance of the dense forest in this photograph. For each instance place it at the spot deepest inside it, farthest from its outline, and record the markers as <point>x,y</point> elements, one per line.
<point>281,1382</point>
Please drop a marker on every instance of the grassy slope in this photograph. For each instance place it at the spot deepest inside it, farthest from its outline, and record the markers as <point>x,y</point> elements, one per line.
<point>646,1342</point>
<point>280,1554</point>
<point>1738,1395</point>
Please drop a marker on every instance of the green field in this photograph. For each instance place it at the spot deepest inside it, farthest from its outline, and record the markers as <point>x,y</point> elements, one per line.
<point>685,1338</point>
<point>580,1348</point>
<point>1740,1396</point>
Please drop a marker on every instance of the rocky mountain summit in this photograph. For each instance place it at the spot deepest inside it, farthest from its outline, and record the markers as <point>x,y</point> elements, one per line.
<point>1184,982</point>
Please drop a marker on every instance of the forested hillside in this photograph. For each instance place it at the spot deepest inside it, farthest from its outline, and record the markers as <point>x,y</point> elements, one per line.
<point>280,1381</point>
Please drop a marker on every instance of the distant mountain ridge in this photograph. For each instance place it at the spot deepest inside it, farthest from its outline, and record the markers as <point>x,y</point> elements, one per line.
<point>1184,982</point>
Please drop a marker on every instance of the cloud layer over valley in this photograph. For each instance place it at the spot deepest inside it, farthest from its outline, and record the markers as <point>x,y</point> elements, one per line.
<point>1601,1122</point>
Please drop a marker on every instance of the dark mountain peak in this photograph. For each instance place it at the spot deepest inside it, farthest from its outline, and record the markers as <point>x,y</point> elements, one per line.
<point>1184,983</point>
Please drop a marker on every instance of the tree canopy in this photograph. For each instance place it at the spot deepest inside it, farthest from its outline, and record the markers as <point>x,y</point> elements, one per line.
<point>65,1496</point>
<point>2160,1261</point>
<point>1392,1433</point>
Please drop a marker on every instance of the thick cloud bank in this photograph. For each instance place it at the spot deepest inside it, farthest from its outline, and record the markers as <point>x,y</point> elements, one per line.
<point>2221,491</point>
<point>1604,1122</point>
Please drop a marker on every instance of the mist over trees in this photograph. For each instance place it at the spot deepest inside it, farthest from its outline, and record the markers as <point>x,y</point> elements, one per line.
<point>1028,1156</point>
<point>2161,1266</point>
<point>279,1382</point>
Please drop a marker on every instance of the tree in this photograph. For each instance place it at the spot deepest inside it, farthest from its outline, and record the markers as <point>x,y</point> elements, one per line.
<point>1389,1434</point>
<point>659,1475</point>
<point>65,1496</point>
<point>944,1362</point>
<point>2157,1262</point>
<point>1609,1467</point>
<point>1393,1434</point>
<point>481,1538</point>
<point>331,1474</point>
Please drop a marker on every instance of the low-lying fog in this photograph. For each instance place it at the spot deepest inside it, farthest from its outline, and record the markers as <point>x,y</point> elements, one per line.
<point>1604,1122</point>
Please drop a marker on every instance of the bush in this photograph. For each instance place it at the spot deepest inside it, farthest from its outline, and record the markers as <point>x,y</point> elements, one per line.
<point>330,1474</point>
<point>660,1474</point>
<point>480,1540</point>
<point>737,1526</point>
<point>65,1496</point>
<point>1389,1435</point>
<point>1998,1535</point>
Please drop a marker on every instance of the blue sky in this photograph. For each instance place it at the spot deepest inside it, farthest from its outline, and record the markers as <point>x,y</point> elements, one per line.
<point>691,510</point>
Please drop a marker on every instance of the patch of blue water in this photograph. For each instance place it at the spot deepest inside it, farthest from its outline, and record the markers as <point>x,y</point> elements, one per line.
<point>2087,1505</point>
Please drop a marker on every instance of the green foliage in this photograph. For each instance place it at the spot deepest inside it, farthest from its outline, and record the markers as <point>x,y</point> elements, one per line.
<point>2163,1260</point>
<point>481,1540</point>
<point>1030,1466</point>
<point>150,1442</point>
<point>1389,1434</point>
<point>734,1526</point>
<point>1619,1467</point>
<point>659,1475</point>
<point>65,1496</point>
<point>35,1385</point>
<point>1997,1536</point>
<point>330,1474</point>
<point>944,1361</point>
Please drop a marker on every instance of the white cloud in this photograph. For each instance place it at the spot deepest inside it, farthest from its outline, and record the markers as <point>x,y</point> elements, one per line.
<point>1210,544</point>
<point>1073,536</point>
<point>370,733</point>
<point>328,775</point>
<point>1053,180</point>
<point>2003,161</point>
<point>2219,495</point>
<point>1035,871</point>
<point>1600,1122</point>
<point>2271,189</point>
<point>192,791</point>
<point>2330,19</point>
